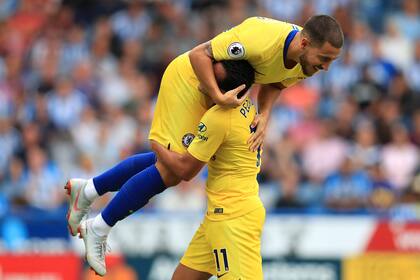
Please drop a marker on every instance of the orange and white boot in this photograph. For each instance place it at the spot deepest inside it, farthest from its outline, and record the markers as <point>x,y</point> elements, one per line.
<point>79,205</point>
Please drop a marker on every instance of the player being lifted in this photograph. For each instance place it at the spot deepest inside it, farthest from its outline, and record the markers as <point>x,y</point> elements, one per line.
<point>230,74</point>
<point>281,54</point>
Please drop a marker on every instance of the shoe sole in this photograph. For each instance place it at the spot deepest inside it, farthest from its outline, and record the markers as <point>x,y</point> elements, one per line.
<point>68,189</point>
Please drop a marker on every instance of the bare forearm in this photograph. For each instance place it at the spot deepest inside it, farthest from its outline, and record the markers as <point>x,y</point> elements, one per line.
<point>202,63</point>
<point>266,98</point>
<point>173,161</point>
<point>184,166</point>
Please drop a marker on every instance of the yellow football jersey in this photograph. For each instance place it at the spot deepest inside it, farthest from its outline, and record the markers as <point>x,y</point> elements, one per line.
<point>221,141</point>
<point>260,41</point>
<point>180,106</point>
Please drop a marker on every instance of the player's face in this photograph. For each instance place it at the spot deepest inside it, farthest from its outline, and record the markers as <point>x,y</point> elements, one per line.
<point>315,58</point>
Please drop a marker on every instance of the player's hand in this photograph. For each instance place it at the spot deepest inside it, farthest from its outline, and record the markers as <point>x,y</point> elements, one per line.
<point>257,138</point>
<point>230,98</point>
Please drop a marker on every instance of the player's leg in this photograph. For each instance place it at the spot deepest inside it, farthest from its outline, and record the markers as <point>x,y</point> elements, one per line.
<point>251,226</point>
<point>136,193</point>
<point>236,244</point>
<point>114,178</point>
<point>83,192</point>
<point>197,262</point>
<point>133,195</point>
<point>178,110</point>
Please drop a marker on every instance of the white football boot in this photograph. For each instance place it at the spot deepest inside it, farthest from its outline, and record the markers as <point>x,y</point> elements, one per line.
<point>78,203</point>
<point>95,247</point>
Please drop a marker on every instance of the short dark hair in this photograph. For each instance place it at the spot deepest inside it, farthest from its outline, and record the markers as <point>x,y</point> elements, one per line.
<point>238,72</point>
<point>323,28</point>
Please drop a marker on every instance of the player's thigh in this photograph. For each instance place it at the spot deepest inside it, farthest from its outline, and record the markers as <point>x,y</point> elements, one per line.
<point>183,272</point>
<point>236,246</point>
<point>178,111</point>
<point>198,255</point>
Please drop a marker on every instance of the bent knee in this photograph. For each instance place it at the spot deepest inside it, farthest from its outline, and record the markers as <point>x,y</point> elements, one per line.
<point>168,177</point>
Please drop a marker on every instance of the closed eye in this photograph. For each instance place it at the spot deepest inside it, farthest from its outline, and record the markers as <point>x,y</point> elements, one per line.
<point>324,58</point>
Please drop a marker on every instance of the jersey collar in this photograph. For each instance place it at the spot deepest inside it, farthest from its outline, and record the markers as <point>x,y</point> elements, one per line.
<point>289,39</point>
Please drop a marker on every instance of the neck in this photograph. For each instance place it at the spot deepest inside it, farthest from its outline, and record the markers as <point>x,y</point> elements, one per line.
<point>294,51</point>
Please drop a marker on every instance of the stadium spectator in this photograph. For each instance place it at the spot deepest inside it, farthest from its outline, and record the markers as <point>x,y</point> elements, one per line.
<point>65,104</point>
<point>323,155</point>
<point>400,158</point>
<point>9,138</point>
<point>42,182</point>
<point>132,22</point>
<point>413,73</point>
<point>365,153</point>
<point>13,183</point>
<point>347,189</point>
<point>407,19</point>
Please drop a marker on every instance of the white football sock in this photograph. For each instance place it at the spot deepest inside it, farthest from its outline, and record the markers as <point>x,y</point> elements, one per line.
<point>100,227</point>
<point>90,190</point>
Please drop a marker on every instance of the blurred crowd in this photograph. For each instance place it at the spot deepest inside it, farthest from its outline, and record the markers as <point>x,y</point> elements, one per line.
<point>78,82</point>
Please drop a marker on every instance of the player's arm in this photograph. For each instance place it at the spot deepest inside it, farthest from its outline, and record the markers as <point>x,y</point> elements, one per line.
<point>184,166</point>
<point>211,133</point>
<point>266,97</point>
<point>201,58</point>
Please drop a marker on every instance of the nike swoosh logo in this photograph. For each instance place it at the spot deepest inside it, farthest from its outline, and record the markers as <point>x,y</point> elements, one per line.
<point>221,275</point>
<point>75,202</point>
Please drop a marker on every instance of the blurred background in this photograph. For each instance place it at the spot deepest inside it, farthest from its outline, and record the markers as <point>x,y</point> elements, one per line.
<point>340,177</point>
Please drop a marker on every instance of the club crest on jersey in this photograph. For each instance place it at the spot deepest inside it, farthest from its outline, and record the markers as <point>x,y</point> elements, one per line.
<point>236,50</point>
<point>187,139</point>
<point>202,127</point>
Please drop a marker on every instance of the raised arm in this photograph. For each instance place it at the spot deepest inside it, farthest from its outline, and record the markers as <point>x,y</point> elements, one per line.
<point>184,166</point>
<point>266,97</point>
<point>201,58</point>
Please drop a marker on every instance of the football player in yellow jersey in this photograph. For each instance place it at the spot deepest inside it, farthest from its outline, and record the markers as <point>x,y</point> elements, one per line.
<point>281,54</point>
<point>227,243</point>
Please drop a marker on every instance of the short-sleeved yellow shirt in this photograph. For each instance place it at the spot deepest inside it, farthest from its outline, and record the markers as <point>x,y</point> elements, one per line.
<point>221,141</point>
<point>260,41</point>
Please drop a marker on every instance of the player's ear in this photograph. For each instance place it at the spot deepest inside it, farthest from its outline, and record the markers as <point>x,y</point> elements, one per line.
<point>304,42</point>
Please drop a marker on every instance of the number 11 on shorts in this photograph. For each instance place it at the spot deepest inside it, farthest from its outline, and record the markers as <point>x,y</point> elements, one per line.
<point>225,259</point>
